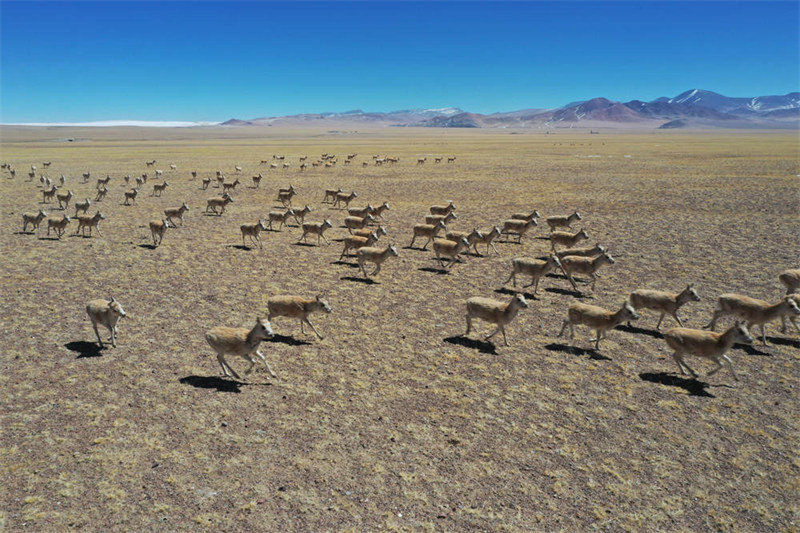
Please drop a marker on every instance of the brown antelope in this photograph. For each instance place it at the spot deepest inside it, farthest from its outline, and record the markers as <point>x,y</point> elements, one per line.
<point>755,312</point>
<point>280,216</point>
<point>34,219</point>
<point>105,313</point>
<point>428,231</point>
<point>175,213</point>
<point>664,302</point>
<point>315,228</point>
<point>242,342</point>
<point>705,344</point>
<point>298,307</point>
<point>157,230</point>
<point>370,254</point>
<point>158,188</point>
<point>494,312</point>
<point>253,231</point>
<point>59,225</point>
<point>85,221</point>
<point>596,318</point>
<point>564,221</point>
<point>217,205</point>
<point>64,199</point>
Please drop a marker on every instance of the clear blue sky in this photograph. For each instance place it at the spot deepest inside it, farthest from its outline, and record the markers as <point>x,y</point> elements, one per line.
<point>64,61</point>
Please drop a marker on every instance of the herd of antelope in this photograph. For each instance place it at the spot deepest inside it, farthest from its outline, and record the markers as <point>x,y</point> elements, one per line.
<point>365,229</point>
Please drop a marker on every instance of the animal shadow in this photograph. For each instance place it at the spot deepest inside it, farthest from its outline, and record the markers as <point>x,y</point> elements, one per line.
<point>782,341</point>
<point>288,339</point>
<point>512,292</point>
<point>240,247</point>
<point>692,386</point>
<point>49,239</point>
<point>84,349</point>
<point>633,329</point>
<point>366,281</point>
<point>566,348</point>
<point>434,270</point>
<point>345,263</point>
<point>24,233</point>
<point>565,292</point>
<point>148,246</point>
<point>307,244</point>
<point>212,382</point>
<point>474,344</point>
<point>750,349</point>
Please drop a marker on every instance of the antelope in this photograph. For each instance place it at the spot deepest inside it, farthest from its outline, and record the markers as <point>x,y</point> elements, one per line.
<point>564,221</point>
<point>451,159</point>
<point>445,249</point>
<point>443,209</point>
<point>230,187</point>
<point>471,236</point>
<point>495,312</point>
<point>596,318</point>
<point>705,344</point>
<point>173,166</point>
<point>58,225</point>
<point>300,214</point>
<point>347,161</point>
<point>64,199</point>
<point>280,216</point>
<point>591,251</point>
<point>303,157</point>
<point>567,239</point>
<point>101,193</point>
<point>130,196</point>
<point>427,230</point>
<point>237,169</point>
<point>435,219</point>
<point>380,230</point>
<point>273,166</point>
<point>46,164</point>
<point>790,279</point>
<point>360,212</point>
<point>82,206</point>
<point>254,232</point>
<point>664,302</point>
<point>174,213</point>
<point>754,312</point>
<point>33,219</point>
<point>421,160</point>
<point>298,307</point>
<point>139,182</point>
<point>86,221</point>
<point>86,176</point>
<point>217,205</point>
<point>48,195</point>
<point>205,183</point>
<point>62,180</point>
<point>517,227</point>
<point>487,239</point>
<point>157,230</point>
<point>31,175</point>
<point>242,342</point>
<point>103,181</point>
<point>257,181</point>
<point>330,195</point>
<point>378,211</point>
<point>158,188</point>
<point>315,228</point>
<point>127,179</point>
<point>194,174</point>
<point>371,254</point>
<point>352,223</point>
<point>342,198</point>
<point>263,162</point>
<point>303,166</point>
<point>354,242</point>
<point>286,165</point>
<point>144,177</point>
<point>364,164</point>
<point>437,159</point>
<point>220,181</point>
<point>526,216</point>
<point>792,319</point>
<point>105,313</point>
<point>159,173</point>
<point>585,265</point>
<point>150,163</point>
<point>535,268</point>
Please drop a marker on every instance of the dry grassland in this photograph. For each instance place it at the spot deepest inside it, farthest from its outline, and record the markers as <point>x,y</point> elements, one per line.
<point>394,420</point>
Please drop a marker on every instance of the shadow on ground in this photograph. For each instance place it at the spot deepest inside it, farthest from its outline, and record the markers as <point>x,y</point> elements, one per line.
<point>574,350</point>
<point>212,382</point>
<point>474,344</point>
<point>84,349</point>
<point>692,386</point>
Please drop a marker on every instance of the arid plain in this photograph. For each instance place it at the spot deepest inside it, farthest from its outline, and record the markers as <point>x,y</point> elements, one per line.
<point>394,420</point>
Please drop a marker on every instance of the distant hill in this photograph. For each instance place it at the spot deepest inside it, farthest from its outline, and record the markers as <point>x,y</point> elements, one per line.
<point>693,108</point>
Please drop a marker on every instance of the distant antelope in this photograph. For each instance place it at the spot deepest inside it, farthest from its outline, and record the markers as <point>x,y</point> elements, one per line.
<point>315,228</point>
<point>59,225</point>
<point>158,188</point>
<point>443,209</point>
<point>495,312</point>
<point>176,213</point>
<point>343,200</point>
<point>253,231</point>
<point>34,219</point>
<point>257,181</point>
<point>64,199</point>
<point>330,195</point>
<point>150,163</point>
<point>103,181</point>
<point>451,159</point>
<point>437,159</point>
<point>429,231</point>
<point>535,268</point>
<point>238,169</point>
<point>82,206</point>
<point>518,228</point>
<point>46,164</point>
<point>217,205</point>
<point>157,230</point>
<point>48,195</point>
<point>86,176</point>
<point>130,197</point>
<point>230,187</point>
<point>101,193</point>
<point>564,221</point>
<point>173,166</point>
<point>206,181</point>
<point>421,160</point>
<point>85,221</point>
<point>567,239</point>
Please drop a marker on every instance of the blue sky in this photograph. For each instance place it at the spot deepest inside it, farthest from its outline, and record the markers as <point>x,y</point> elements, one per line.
<point>64,61</point>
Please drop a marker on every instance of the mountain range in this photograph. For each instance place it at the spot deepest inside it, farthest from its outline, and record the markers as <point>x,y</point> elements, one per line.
<point>695,108</point>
